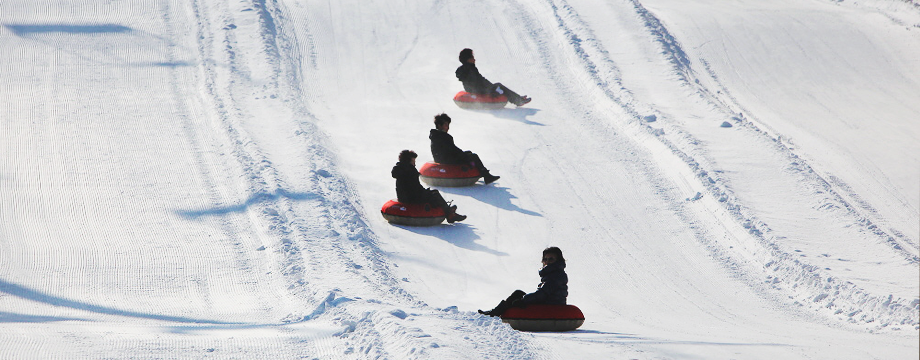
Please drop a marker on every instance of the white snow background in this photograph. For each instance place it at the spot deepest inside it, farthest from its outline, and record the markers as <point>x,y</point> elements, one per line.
<point>202,179</point>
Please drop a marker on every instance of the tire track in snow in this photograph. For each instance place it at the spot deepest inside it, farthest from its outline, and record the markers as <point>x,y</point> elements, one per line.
<point>235,169</point>
<point>205,139</point>
<point>376,328</point>
<point>840,196</point>
<point>268,198</point>
<point>823,289</point>
<point>807,282</point>
<point>629,149</point>
<point>102,140</point>
<point>320,246</point>
<point>326,252</point>
<point>804,284</point>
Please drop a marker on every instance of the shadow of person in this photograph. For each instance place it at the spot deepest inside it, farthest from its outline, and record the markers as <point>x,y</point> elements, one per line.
<point>494,195</point>
<point>613,335</point>
<point>516,113</point>
<point>459,234</point>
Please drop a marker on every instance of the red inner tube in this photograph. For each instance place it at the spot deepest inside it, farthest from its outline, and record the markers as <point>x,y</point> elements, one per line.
<point>545,312</point>
<point>466,97</point>
<point>448,171</point>
<point>397,208</point>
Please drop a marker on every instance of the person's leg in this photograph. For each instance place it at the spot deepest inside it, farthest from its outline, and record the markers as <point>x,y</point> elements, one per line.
<point>450,212</point>
<point>473,159</point>
<point>504,305</point>
<point>515,296</point>
<point>486,175</point>
<point>434,198</point>
<point>512,96</point>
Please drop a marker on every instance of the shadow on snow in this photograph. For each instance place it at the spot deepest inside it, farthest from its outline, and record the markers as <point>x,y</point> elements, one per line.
<point>459,234</point>
<point>85,40</point>
<point>24,30</point>
<point>8,317</point>
<point>41,297</point>
<point>606,337</point>
<point>494,195</point>
<point>194,325</point>
<point>516,114</point>
<point>254,199</point>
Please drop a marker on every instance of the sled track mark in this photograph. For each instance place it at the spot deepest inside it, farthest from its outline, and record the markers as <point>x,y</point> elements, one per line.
<point>374,328</point>
<point>840,195</point>
<point>849,303</point>
<point>883,309</point>
<point>327,255</point>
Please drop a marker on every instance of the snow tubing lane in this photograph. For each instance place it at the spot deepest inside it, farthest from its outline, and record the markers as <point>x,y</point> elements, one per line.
<point>544,318</point>
<point>466,100</point>
<point>396,212</point>
<point>448,175</point>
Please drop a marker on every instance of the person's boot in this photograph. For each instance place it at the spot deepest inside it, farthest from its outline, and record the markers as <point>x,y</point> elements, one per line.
<point>487,176</point>
<point>497,311</point>
<point>450,213</point>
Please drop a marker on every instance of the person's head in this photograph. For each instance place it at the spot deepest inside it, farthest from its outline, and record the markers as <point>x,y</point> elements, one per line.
<point>442,122</point>
<point>407,156</point>
<point>466,55</point>
<point>552,254</point>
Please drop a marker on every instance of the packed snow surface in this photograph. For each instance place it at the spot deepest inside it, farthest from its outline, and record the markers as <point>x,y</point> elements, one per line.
<point>203,179</point>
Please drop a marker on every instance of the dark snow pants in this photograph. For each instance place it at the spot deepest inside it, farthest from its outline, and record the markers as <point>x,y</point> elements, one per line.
<point>513,97</point>
<point>472,158</point>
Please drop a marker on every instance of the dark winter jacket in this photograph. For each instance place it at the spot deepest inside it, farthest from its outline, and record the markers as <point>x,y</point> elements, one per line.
<point>553,287</point>
<point>443,149</point>
<point>473,81</point>
<point>408,189</point>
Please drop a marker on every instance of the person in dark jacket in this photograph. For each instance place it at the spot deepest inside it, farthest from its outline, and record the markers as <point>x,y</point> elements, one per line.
<point>410,191</point>
<point>553,288</point>
<point>475,83</point>
<point>444,151</point>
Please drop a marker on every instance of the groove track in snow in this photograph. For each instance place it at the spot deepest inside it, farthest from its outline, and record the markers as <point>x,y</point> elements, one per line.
<point>343,261</point>
<point>202,179</point>
<point>808,283</point>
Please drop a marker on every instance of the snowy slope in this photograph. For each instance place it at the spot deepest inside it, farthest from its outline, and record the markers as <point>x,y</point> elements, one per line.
<point>202,179</point>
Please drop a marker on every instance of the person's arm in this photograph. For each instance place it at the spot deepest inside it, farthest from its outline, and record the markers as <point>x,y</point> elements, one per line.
<point>408,183</point>
<point>549,289</point>
<point>539,296</point>
<point>455,151</point>
<point>444,150</point>
<point>535,297</point>
<point>481,82</point>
